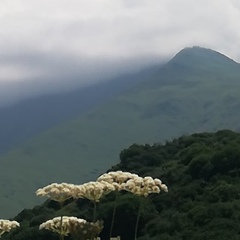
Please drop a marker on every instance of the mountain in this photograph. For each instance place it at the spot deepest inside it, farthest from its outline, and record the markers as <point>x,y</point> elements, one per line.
<point>202,172</point>
<point>203,59</point>
<point>198,90</point>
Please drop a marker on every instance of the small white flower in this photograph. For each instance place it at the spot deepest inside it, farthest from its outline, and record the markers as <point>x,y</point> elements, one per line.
<point>164,187</point>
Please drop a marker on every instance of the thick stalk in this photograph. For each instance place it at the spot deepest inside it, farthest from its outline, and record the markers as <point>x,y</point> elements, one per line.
<point>61,236</point>
<point>113,214</point>
<point>94,211</point>
<point>138,217</point>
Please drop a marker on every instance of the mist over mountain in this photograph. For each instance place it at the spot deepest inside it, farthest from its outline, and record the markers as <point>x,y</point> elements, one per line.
<point>33,74</point>
<point>196,91</point>
<point>24,119</point>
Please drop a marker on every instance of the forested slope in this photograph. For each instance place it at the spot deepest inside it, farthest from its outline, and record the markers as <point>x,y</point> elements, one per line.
<point>202,172</point>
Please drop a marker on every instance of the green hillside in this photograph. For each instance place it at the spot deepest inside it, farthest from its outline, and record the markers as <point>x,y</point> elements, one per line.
<point>198,90</point>
<point>202,172</point>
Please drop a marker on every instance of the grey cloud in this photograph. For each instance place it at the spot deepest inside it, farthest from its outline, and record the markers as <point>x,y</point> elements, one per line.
<point>48,46</point>
<point>57,72</point>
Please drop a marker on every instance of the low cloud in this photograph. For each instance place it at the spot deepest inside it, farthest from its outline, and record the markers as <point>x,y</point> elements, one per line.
<point>49,46</point>
<point>38,74</point>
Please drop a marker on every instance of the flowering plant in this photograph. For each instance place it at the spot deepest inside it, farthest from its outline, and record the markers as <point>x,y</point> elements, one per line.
<point>7,226</point>
<point>94,191</point>
<point>77,227</point>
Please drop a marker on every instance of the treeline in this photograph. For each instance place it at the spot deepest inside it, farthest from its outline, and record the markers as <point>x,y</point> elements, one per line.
<point>202,172</point>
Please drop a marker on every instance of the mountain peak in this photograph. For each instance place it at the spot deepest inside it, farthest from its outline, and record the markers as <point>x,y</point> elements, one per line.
<point>201,57</point>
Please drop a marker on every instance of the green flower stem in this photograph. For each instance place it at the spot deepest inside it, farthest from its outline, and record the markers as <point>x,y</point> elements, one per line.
<point>138,217</point>
<point>61,236</point>
<point>113,214</point>
<point>94,211</point>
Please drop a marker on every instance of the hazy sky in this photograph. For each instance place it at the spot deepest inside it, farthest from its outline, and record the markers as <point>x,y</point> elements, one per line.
<point>49,45</point>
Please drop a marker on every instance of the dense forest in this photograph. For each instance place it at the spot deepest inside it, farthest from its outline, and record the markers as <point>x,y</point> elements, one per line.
<point>202,172</point>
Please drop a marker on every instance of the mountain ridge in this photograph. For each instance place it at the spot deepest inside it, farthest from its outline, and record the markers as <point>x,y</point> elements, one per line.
<point>199,60</point>
<point>203,53</point>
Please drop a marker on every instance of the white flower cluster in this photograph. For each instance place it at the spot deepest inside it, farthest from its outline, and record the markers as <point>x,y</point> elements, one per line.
<point>106,183</point>
<point>90,230</point>
<point>7,226</point>
<point>61,225</point>
<point>144,186</point>
<point>61,192</point>
<point>133,183</point>
<point>93,190</point>
<point>75,226</point>
<point>118,179</point>
<point>58,192</point>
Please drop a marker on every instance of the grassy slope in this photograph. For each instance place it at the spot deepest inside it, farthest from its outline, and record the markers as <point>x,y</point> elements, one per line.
<point>182,98</point>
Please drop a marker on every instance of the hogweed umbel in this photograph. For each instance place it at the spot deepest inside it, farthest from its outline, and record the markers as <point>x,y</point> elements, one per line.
<point>78,228</point>
<point>59,192</point>
<point>7,226</point>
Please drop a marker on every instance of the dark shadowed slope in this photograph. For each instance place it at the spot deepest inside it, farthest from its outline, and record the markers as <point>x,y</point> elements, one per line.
<point>25,119</point>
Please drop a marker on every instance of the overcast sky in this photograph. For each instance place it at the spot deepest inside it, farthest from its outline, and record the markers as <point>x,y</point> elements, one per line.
<point>50,45</point>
